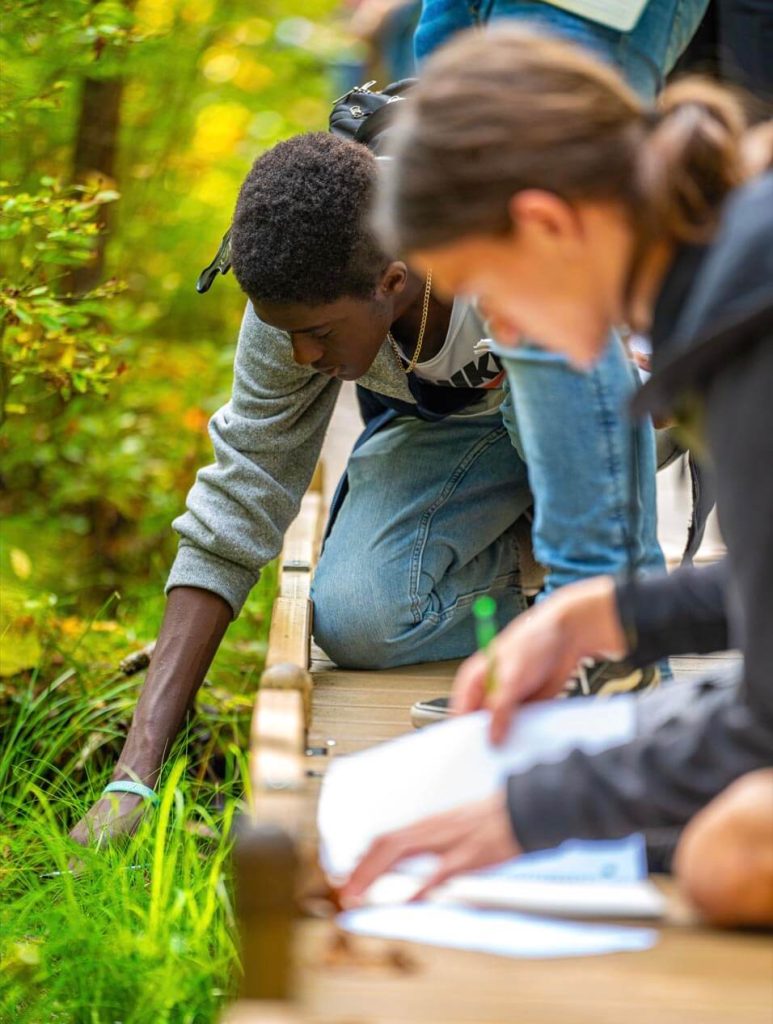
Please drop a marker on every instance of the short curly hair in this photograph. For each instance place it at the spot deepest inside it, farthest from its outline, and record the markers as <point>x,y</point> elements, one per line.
<point>301,230</point>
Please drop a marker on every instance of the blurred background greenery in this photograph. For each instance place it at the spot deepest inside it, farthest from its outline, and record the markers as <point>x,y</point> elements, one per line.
<point>127,128</point>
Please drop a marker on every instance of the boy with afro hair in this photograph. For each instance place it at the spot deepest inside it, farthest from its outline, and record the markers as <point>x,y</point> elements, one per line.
<point>425,520</point>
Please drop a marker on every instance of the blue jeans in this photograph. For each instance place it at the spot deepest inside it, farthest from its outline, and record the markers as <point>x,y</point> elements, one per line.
<point>645,55</point>
<point>591,469</point>
<point>428,522</point>
<point>427,526</point>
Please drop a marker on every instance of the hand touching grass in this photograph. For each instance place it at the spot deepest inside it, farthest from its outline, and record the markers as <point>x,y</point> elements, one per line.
<point>111,816</point>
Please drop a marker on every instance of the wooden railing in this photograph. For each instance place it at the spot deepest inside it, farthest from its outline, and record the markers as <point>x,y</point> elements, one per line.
<point>275,840</point>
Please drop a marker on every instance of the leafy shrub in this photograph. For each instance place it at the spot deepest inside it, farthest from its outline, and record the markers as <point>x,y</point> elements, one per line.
<point>51,341</point>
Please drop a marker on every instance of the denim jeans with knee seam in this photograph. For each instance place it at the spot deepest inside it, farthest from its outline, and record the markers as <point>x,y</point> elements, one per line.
<point>591,468</point>
<point>428,522</point>
<point>427,525</point>
<point>645,55</point>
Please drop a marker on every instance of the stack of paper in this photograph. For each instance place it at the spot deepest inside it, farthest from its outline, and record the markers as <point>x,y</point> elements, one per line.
<point>448,765</point>
<point>495,931</point>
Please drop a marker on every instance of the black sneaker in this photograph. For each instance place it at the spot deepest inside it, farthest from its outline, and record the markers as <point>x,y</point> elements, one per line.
<point>606,678</point>
<point>592,679</point>
<point>427,712</point>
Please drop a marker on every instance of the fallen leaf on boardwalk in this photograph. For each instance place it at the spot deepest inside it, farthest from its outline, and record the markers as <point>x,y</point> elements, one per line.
<point>343,951</point>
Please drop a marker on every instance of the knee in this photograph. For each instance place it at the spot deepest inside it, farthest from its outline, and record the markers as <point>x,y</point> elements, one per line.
<point>355,622</point>
<point>724,860</point>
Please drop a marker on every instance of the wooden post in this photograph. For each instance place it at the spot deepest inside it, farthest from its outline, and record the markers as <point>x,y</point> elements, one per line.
<point>265,877</point>
<point>267,853</point>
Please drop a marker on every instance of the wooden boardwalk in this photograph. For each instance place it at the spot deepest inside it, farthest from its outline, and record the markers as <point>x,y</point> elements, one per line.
<point>693,975</point>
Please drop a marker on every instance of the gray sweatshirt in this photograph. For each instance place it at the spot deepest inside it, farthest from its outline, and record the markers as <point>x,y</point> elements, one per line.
<point>267,441</point>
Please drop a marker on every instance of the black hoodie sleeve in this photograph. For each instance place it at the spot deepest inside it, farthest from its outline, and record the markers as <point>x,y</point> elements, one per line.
<point>684,613</point>
<point>699,739</point>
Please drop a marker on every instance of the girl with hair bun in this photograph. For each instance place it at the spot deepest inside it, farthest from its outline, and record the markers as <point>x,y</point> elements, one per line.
<point>529,175</point>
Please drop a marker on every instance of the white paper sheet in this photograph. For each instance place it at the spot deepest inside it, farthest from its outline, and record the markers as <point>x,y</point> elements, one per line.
<point>611,860</point>
<point>447,765</point>
<point>579,879</point>
<point>500,932</point>
<point>494,892</point>
<point>451,764</point>
<point>422,773</point>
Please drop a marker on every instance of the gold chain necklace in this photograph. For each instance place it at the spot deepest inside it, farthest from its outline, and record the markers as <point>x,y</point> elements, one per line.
<point>420,341</point>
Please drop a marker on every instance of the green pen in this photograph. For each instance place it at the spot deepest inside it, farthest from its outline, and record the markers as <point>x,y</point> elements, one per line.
<point>484,609</point>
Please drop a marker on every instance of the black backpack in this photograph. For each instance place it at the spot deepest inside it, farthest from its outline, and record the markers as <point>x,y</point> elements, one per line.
<point>360,115</point>
<point>363,116</point>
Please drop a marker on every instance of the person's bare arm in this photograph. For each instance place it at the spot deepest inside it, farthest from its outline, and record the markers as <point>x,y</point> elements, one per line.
<point>194,624</point>
<point>266,443</point>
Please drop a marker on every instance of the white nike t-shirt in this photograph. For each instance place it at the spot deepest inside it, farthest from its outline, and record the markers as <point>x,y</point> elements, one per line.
<point>464,361</point>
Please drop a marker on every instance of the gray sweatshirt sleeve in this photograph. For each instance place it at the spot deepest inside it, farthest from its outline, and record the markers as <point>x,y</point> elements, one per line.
<point>266,440</point>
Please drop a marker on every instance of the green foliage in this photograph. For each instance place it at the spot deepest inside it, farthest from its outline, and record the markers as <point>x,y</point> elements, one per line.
<point>144,933</point>
<point>50,340</point>
<point>206,86</point>
<point>107,396</point>
<point>116,471</point>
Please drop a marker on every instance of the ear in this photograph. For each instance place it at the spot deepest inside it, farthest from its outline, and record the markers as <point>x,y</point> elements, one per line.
<point>393,280</point>
<point>544,214</point>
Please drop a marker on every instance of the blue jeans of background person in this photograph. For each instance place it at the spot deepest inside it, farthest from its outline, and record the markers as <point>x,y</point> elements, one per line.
<point>591,469</point>
<point>427,525</point>
<point>584,457</point>
<point>428,522</point>
<point>645,55</point>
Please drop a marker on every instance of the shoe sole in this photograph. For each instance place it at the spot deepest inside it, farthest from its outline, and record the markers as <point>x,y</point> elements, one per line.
<point>627,684</point>
<point>422,715</point>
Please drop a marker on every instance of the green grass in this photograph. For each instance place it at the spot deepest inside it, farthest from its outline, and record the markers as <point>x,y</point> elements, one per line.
<point>144,932</point>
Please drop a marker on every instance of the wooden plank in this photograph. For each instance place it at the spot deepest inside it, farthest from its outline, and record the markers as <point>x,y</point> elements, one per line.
<point>326,715</point>
<point>279,739</point>
<point>693,976</point>
<point>300,549</point>
<point>371,732</point>
<point>350,745</point>
<point>368,682</point>
<point>278,763</point>
<point>290,632</point>
<point>329,699</point>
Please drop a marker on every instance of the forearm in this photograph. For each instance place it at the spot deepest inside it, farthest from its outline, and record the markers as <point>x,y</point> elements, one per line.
<point>683,613</point>
<point>194,624</point>
<point>655,783</point>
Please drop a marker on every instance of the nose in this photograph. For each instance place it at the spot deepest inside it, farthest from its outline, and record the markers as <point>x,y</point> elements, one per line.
<point>307,351</point>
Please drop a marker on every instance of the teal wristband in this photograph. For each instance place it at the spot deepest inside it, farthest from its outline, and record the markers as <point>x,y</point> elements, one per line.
<point>127,786</point>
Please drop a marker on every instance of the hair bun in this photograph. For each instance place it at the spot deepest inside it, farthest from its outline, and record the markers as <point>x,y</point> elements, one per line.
<point>692,157</point>
<point>701,98</point>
